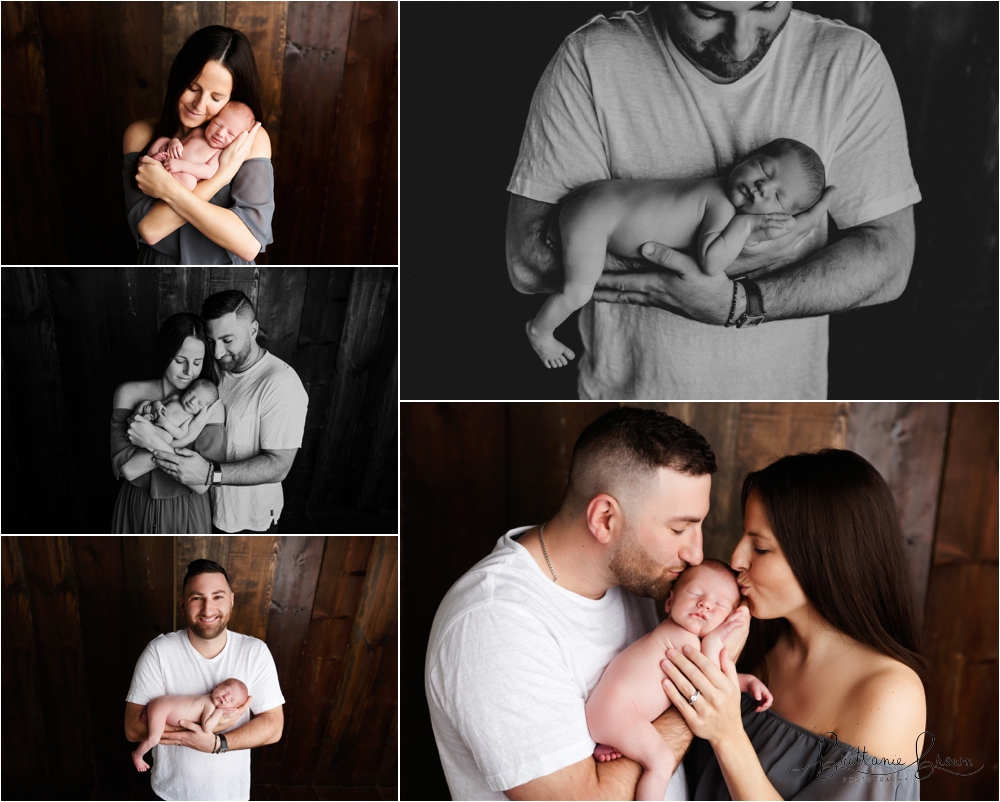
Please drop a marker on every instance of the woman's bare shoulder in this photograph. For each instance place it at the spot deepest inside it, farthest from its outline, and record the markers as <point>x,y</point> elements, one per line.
<point>137,135</point>
<point>261,147</point>
<point>128,394</point>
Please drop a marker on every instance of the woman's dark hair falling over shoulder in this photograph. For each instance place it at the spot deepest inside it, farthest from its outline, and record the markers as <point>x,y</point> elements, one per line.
<point>838,526</point>
<point>230,48</point>
<point>170,338</point>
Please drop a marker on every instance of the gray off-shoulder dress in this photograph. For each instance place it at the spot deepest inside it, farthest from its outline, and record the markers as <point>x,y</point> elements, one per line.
<point>250,196</point>
<point>801,764</point>
<point>154,503</point>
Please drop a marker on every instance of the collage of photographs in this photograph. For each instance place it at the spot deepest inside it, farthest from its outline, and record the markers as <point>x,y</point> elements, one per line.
<point>667,470</point>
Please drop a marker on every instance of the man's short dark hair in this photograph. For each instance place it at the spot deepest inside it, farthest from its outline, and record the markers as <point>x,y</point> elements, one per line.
<point>204,567</point>
<point>629,444</point>
<point>222,303</point>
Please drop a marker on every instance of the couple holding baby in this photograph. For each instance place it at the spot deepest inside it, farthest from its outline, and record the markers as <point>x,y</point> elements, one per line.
<point>193,692</point>
<point>546,662</point>
<point>205,444</point>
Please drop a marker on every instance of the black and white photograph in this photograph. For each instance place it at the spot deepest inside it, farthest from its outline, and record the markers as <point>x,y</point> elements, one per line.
<point>577,577</point>
<point>200,133</point>
<point>237,399</point>
<point>700,201</point>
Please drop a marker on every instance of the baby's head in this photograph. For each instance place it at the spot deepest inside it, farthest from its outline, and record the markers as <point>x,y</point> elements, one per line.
<point>229,693</point>
<point>703,597</point>
<point>200,394</point>
<point>782,176</point>
<point>233,120</point>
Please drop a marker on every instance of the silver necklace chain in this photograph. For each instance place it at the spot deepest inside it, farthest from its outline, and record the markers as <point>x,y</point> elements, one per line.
<point>541,530</point>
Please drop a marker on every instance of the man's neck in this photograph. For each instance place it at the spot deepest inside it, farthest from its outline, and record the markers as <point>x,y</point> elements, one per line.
<point>575,559</point>
<point>255,356</point>
<point>209,649</point>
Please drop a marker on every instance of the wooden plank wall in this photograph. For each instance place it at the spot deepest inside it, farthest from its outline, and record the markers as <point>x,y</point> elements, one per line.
<point>328,72</point>
<point>469,472</point>
<point>326,607</point>
<point>72,336</point>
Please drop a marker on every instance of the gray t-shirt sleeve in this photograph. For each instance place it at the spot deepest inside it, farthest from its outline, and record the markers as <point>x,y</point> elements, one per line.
<point>252,193</point>
<point>563,144</point>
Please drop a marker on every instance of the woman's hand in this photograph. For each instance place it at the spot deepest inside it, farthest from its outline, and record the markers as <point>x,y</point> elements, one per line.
<point>236,152</point>
<point>154,180</point>
<point>715,714</point>
<point>143,434</point>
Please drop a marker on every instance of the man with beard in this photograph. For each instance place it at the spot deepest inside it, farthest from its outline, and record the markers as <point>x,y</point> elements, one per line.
<point>193,661</point>
<point>265,417</point>
<point>679,90</point>
<point>521,639</point>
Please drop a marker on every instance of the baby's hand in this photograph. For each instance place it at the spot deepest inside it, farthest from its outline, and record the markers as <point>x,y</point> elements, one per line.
<point>172,165</point>
<point>759,691</point>
<point>162,156</point>
<point>774,225</point>
<point>175,148</point>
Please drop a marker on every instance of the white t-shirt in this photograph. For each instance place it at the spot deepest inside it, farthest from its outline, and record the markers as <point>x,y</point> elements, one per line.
<point>265,409</point>
<point>171,665</point>
<point>511,661</point>
<point>619,100</point>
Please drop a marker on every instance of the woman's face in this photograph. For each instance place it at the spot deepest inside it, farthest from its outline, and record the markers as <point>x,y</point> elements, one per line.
<point>185,367</point>
<point>206,95</point>
<point>765,577</point>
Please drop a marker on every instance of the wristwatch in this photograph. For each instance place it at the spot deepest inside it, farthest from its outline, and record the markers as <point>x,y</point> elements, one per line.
<point>216,474</point>
<point>223,746</point>
<point>755,313</point>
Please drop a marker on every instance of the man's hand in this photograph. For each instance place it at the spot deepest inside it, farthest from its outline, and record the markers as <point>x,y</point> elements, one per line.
<point>193,737</point>
<point>798,236</point>
<point>770,227</point>
<point>186,466</point>
<point>230,718</point>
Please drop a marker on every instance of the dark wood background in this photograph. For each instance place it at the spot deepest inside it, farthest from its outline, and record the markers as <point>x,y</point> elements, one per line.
<point>470,472</point>
<point>72,335</point>
<point>466,102</point>
<point>78,611</point>
<point>75,75</point>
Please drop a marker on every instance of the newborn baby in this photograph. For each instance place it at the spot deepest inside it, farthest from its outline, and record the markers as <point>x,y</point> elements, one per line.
<point>180,419</point>
<point>711,217</point>
<point>629,695</point>
<point>208,708</point>
<point>196,157</point>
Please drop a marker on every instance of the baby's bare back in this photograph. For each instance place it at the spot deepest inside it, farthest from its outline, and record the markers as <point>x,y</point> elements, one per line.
<point>189,708</point>
<point>634,677</point>
<point>175,412</point>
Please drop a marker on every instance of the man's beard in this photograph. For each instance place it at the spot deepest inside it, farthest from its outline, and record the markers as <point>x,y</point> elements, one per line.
<point>234,363</point>
<point>714,58</point>
<point>634,570</point>
<point>208,632</point>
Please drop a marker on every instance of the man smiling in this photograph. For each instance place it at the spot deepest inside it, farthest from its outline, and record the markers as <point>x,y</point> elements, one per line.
<point>679,90</point>
<point>265,417</point>
<point>190,763</point>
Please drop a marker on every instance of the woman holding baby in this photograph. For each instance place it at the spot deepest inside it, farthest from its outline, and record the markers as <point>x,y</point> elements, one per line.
<point>834,637</point>
<point>149,500</point>
<point>230,212</point>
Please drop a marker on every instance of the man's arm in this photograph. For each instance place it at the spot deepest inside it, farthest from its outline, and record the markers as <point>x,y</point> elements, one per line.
<point>266,728</point>
<point>615,779</point>
<point>189,468</point>
<point>136,729</point>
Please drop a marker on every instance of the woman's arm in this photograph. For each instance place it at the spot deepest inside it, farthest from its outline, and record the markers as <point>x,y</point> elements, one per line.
<point>179,205</point>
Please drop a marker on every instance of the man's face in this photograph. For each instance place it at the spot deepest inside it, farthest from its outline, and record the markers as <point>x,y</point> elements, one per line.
<point>662,533</point>
<point>725,40</point>
<point>207,603</point>
<point>231,339</point>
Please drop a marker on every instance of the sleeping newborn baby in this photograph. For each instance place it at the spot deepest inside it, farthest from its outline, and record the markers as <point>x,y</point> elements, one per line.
<point>196,157</point>
<point>207,708</point>
<point>712,218</point>
<point>629,695</point>
<point>182,417</point>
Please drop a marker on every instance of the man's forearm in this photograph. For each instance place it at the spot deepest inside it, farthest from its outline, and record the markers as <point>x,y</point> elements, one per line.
<point>259,731</point>
<point>260,470</point>
<point>866,266</point>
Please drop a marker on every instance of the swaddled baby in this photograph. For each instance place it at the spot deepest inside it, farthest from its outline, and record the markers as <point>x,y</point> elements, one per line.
<point>206,708</point>
<point>713,218</point>
<point>629,695</point>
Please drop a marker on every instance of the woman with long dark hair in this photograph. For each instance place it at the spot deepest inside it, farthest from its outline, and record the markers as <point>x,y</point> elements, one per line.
<point>835,637</point>
<point>226,219</point>
<point>150,501</point>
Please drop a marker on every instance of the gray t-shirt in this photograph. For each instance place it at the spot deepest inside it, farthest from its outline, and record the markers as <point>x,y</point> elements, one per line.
<point>619,100</point>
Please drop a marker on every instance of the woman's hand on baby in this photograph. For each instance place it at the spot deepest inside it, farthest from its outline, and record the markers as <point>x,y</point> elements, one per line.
<point>154,180</point>
<point>237,151</point>
<point>715,714</point>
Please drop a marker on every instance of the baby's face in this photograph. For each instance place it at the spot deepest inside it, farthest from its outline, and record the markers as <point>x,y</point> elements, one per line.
<point>765,184</point>
<point>224,128</point>
<point>225,695</point>
<point>195,399</point>
<point>703,599</point>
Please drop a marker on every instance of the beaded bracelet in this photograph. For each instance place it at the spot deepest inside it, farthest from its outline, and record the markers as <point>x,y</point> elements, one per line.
<point>732,307</point>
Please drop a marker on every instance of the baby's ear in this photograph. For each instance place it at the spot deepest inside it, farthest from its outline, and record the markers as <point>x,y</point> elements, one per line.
<point>670,601</point>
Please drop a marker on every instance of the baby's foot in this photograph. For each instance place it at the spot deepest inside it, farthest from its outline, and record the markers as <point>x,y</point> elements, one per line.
<point>552,352</point>
<point>140,764</point>
<point>604,753</point>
